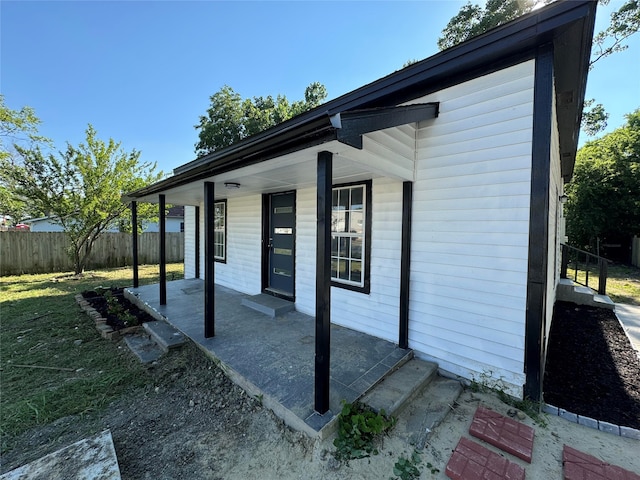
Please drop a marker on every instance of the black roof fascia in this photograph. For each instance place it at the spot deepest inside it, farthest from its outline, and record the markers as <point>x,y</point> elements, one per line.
<point>495,49</point>
<point>355,123</point>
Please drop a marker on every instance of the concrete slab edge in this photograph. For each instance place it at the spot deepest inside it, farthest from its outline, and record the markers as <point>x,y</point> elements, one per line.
<point>288,417</point>
<point>606,427</point>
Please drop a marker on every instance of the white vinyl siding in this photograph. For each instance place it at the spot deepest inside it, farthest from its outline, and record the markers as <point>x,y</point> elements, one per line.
<point>375,313</point>
<point>189,242</point>
<point>555,208</point>
<point>241,271</point>
<point>470,227</point>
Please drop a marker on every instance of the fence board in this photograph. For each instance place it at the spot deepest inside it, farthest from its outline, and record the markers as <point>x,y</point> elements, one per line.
<point>46,252</point>
<point>635,251</point>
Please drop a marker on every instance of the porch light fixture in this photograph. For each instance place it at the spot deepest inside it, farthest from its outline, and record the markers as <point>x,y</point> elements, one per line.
<point>231,185</point>
<point>563,199</point>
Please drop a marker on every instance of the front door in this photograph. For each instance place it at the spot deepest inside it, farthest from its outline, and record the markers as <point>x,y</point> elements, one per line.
<point>281,243</point>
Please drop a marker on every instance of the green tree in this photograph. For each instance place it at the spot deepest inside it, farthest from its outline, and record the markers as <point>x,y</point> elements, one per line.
<point>81,188</point>
<point>473,20</point>
<point>17,127</point>
<point>229,118</point>
<point>604,194</point>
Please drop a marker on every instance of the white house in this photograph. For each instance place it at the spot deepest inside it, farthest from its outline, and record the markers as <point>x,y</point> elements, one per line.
<point>174,219</point>
<point>422,208</point>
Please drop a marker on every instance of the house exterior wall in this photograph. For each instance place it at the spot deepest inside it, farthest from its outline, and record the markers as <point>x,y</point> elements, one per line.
<point>556,225</point>
<point>172,224</point>
<point>470,228</point>
<point>190,242</point>
<point>45,226</point>
<point>470,233</point>
<point>375,313</point>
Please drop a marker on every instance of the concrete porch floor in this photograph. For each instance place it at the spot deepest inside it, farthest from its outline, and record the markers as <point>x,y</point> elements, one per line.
<point>274,357</point>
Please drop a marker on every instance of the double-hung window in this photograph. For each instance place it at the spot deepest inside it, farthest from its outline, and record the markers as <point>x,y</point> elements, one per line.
<point>220,231</point>
<point>350,236</point>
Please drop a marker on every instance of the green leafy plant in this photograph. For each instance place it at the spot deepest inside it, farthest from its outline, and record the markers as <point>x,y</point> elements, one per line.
<point>118,310</point>
<point>358,428</point>
<point>407,468</point>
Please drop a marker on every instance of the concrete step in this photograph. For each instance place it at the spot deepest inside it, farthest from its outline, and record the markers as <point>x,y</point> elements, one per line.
<point>164,334</point>
<point>393,393</point>
<point>268,304</point>
<point>568,291</point>
<point>143,347</point>
<point>429,409</point>
<point>603,301</point>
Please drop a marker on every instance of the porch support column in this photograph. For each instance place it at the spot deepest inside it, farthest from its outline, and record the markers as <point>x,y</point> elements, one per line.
<point>323,282</point>
<point>134,242</point>
<point>536,312</point>
<point>163,251</point>
<point>209,261</point>
<point>197,239</point>
<point>405,264</point>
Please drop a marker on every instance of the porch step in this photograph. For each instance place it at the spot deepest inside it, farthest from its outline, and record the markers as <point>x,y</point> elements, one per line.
<point>429,409</point>
<point>393,393</point>
<point>164,335</point>
<point>143,347</point>
<point>268,304</point>
<point>568,291</point>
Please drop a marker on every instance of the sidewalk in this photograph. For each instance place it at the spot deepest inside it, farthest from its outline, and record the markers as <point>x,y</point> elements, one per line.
<point>629,316</point>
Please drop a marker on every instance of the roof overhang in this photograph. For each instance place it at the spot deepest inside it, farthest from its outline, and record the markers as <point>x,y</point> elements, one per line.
<point>567,25</point>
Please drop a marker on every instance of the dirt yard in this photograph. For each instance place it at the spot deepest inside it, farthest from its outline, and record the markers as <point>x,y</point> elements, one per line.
<point>193,423</point>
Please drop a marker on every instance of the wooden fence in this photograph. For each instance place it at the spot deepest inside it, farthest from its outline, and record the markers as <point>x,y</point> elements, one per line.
<point>46,252</point>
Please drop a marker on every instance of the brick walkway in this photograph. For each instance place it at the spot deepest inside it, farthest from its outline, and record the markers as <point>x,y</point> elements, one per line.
<point>472,461</point>
<point>503,432</point>
<point>580,466</point>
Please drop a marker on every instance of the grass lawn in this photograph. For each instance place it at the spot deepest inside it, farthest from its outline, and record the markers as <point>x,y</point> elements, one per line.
<point>53,362</point>
<point>623,282</point>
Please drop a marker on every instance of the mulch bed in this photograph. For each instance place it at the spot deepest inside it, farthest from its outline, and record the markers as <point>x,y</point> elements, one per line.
<point>99,302</point>
<point>592,369</point>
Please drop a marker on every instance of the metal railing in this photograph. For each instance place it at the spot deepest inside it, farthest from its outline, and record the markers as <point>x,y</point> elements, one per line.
<point>586,267</point>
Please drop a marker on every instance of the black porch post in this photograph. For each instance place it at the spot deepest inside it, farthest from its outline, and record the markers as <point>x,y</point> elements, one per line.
<point>163,251</point>
<point>405,264</point>
<point>197,254</point>
<point>209,261</point>
<point>536,312</point>
<point>323,283</point>
<point>134,242</point>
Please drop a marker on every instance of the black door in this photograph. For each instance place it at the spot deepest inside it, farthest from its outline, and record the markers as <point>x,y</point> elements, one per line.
<point>281,243</point>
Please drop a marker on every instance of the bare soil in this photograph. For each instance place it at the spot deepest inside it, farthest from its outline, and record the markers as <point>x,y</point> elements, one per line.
<point>592,369</point>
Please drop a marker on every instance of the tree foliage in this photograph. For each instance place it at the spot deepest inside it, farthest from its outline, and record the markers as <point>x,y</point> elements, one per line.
<point>604,194</point>
<point>229,118</point>
<point>17,127</point>
<point>81,187</point>
<point>473,20</point>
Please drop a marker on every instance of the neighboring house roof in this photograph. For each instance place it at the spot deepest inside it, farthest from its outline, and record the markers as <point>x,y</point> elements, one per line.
<point>175,212</point>
<point>567,25</point>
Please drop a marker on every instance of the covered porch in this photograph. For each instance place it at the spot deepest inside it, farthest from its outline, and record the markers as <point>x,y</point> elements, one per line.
<point>273,358</point>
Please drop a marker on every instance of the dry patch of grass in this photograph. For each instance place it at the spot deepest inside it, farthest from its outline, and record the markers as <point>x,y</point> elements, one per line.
<point>53,362</point>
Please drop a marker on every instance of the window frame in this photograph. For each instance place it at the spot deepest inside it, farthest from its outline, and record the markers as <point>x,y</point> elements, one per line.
<point>366,261</point>
<point>222,259</point>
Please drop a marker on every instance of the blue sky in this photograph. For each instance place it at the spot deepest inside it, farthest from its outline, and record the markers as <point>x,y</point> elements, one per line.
<point>142,72</point>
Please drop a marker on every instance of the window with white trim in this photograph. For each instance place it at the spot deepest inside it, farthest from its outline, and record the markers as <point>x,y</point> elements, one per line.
<point>349,235</point>
<point>220,231</point>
